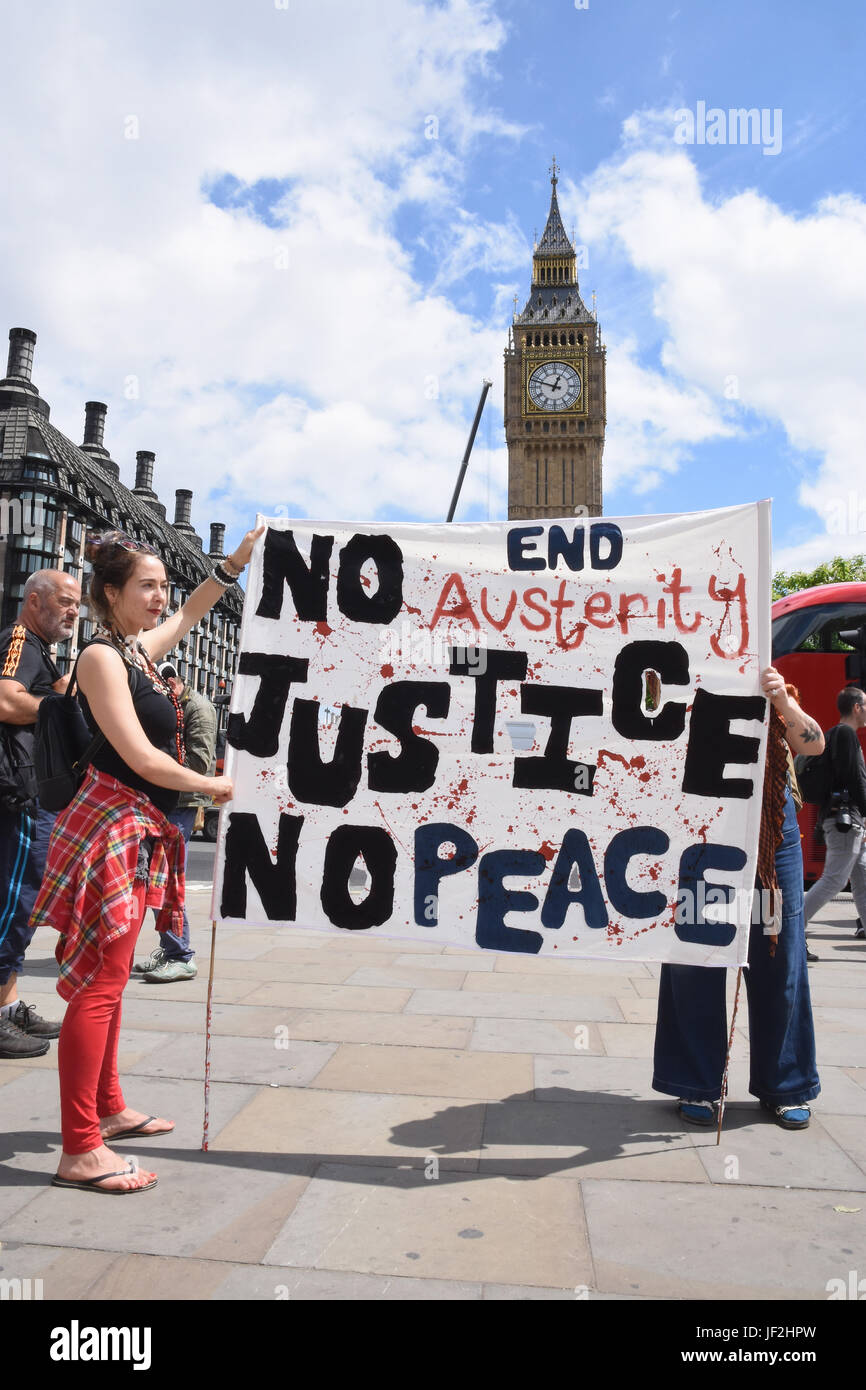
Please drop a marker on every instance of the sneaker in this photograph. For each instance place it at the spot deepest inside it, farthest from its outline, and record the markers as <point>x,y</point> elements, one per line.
<point>170,970</point>
<point>697,1112</point>
<point>811,957</point>
<point>859,931</point>
<point>27,1019</point>
<point>150,962</point>
<point>16,1046</point>
<point>789,1116</point>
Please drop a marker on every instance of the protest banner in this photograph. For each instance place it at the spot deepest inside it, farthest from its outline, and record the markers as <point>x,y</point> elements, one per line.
<point>533,737</point>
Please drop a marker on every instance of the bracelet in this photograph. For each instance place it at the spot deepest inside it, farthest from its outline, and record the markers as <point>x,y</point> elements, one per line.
<point>231,568</point>
<point>221,576</point>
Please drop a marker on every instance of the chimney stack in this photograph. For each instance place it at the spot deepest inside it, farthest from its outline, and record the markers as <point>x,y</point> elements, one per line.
<point>144,461</point>
<point>217,539</point>
<point>94,424</point>
<point>22,342</point>
<point>182,508</point>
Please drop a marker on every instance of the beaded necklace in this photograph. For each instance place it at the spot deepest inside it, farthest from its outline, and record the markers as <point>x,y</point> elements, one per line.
<point>134,654</point>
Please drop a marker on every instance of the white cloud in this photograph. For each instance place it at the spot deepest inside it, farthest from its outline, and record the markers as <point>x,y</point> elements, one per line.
<point>759,309</point>
<point>302,362</point>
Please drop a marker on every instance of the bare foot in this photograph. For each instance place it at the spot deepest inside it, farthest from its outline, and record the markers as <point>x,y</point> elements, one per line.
<point>84,1167</point>
<point>112,1125</point>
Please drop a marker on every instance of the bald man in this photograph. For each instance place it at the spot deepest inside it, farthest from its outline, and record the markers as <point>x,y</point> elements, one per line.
<point>27,674</point>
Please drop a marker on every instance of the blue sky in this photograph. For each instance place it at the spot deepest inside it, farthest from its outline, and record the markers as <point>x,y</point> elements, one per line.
<point>244,240</point>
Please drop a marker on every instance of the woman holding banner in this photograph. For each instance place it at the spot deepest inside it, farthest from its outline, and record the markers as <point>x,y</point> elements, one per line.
<point>691,1030</point>
<point>113,851</point>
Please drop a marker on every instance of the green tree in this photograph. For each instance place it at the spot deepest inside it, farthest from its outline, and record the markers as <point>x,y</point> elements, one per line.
<point>840,570</point>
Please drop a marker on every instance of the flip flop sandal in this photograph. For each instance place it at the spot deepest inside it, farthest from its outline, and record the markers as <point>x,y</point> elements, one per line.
<point>137,1131</point>
<point>92,1184</point>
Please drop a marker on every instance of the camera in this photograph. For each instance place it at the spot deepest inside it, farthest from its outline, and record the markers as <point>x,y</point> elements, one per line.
<point>843,820</point>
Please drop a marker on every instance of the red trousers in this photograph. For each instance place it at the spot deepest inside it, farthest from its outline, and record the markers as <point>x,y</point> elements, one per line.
<point>87,1048</point>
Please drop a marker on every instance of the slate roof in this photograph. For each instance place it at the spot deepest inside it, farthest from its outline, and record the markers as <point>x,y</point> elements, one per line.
<point>79,473</point>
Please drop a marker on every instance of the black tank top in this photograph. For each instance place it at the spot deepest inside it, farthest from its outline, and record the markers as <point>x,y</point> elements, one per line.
<point>157,717</point>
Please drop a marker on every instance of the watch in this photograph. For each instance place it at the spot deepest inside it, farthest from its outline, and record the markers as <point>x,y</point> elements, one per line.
<point>554,386</point>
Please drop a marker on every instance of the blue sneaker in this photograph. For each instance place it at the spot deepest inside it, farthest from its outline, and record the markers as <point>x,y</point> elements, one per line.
<point>697,1112</point>
<point>789,1116</point>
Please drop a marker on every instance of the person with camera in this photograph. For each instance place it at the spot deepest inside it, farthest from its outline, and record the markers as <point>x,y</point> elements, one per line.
<point>842,816</point>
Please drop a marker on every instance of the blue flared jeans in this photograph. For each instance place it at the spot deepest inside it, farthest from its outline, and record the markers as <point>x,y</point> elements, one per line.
<point>691,1027</point>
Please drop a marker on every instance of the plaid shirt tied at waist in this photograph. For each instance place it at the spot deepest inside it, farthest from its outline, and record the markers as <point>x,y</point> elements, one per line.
<point>87,891</point>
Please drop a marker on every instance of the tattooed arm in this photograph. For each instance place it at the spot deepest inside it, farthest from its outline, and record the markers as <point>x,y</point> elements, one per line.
<point>802,733</point>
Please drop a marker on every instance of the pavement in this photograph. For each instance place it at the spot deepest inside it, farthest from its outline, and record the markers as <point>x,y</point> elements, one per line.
<point>391,1120</point>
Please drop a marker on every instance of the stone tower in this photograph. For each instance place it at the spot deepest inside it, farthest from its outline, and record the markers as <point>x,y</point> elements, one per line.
<point>554,388</point>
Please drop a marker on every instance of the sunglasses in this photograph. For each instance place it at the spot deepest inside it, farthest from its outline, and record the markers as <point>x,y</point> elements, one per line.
<point>117,538</point>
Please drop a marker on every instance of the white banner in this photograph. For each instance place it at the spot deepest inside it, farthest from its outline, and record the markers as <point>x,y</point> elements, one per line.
<point>536,737</point>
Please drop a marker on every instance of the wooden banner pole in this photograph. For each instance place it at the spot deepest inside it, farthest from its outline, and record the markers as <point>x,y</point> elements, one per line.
<point>728,1057</point>
<point>204,1137</point>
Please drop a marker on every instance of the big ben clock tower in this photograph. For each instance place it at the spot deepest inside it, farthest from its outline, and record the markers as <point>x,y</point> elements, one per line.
<point>554,388</point>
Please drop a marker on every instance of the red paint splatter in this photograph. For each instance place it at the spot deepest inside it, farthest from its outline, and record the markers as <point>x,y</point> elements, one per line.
<point>386,671</point>
<point>323,629</point>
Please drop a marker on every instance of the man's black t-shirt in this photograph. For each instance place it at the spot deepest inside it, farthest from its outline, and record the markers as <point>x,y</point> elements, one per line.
<point>25,658</point>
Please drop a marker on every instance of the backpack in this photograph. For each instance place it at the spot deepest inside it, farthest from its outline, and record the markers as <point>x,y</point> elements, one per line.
<point>17,776</point>
<point>815,775</point>
<point>62,747</point>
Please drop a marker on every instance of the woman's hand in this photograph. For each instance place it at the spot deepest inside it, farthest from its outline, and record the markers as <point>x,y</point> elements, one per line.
<point>241,556</point>
<point>773,685</point>
<point>220,789</point>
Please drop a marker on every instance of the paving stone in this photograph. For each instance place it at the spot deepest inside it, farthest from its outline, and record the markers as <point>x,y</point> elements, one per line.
<point>841,1049</point>
<point>536,1035</point>
<point>11,1071</point>
<point>353,960</point>
<point>341,1025</point>
<point>718,1241</point>
<point>475,1003</point>
<point>755,1151</point>
<point>567,986</point>
<point>354,1128</point>
<point>250,1235</point>
<point>458,1227</point>
<point>256,1060</point>
<point>520,964</point>
<point>841,1019</point>
<point>373,977</point>
<point>849,1132</point>
<point>424,1071</point>
<point>313,1285</point>
<point>158,1279</point>
<point>577,1079</point>
<point>197,1197</point>
<point>478,962</point>
<point>638,1010</point>
<point>65,1274</point>
<point>628,1039</point>
<point>225,989</point>
<point>637,1140</point>
<point>324,971</point>
<point>334,997</point>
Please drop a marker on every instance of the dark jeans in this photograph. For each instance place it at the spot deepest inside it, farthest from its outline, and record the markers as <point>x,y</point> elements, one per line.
<point>180,949</point>
<point>691,1028</point>
<point>24,837</point>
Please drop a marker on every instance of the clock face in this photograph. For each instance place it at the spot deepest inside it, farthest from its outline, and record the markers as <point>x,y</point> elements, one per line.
<point>555,386</point>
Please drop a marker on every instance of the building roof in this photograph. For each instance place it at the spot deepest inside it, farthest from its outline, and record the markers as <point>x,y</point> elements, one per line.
<point>33,454</point>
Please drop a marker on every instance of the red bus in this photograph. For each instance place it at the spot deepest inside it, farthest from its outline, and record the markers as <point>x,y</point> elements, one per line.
<point>809,652</point>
